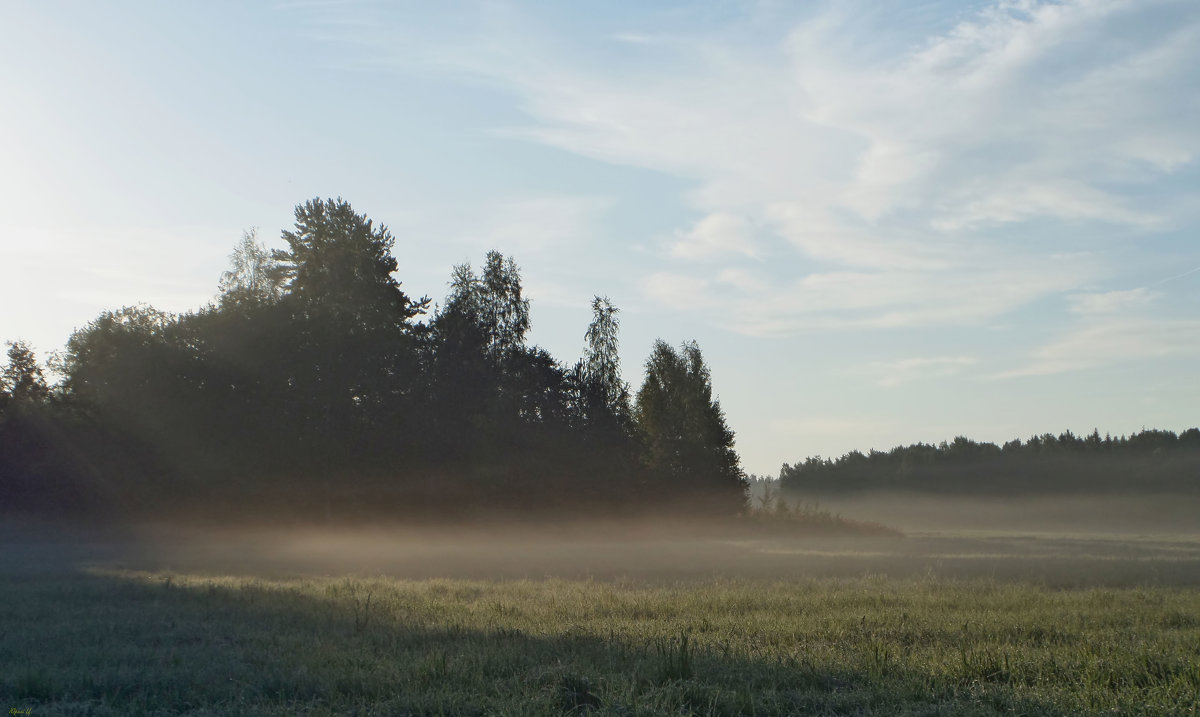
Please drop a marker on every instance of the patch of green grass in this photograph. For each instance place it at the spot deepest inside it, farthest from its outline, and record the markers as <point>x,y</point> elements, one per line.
<point>128,642</point>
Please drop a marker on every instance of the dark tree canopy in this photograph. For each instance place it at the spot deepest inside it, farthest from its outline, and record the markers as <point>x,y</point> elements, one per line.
<point>22,382</point>
<point>116,354</point>
<point>339,261</point>
<point>687,440</point>
<point>1148,461</point>
<point>602,364</point>
<point>312,388</point>
<point>494,302</point>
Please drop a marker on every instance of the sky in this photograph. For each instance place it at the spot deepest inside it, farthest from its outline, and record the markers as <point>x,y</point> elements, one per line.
<point>883,222</point>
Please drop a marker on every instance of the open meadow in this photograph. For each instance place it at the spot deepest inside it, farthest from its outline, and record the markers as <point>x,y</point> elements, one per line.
<point>599,622</point>
<point>520,358</point>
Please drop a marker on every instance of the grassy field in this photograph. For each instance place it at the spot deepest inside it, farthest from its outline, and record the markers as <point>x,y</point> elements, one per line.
<point>357,624</point>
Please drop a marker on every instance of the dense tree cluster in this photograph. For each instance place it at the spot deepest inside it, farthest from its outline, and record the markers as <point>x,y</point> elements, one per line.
<point>314,385</point>
<point>688,443</point>
<point>1149,461</point>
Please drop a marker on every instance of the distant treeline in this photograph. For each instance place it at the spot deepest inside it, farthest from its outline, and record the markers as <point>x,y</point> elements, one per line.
<point>1149,461</point>
<point>311,387</point>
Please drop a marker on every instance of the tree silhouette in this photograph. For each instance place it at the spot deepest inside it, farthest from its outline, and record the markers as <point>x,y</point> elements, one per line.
<point>1148,461</point>
<point>22,381</point>
<point>494,402</point>
<point>309,388</point>
<point>689,447</point>
<point>602,364</point>
<point>494,302</point>
<point>117,356</point>
<point>351,350</point>
<point>339,261</point>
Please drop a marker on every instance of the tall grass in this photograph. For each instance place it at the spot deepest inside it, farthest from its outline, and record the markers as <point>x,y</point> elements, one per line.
<point>124,642</point>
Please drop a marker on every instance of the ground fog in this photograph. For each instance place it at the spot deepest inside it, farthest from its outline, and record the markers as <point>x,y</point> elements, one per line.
<point>989,539</point>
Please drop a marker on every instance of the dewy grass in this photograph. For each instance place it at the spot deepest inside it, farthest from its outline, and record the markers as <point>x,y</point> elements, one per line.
<point>135,642</point>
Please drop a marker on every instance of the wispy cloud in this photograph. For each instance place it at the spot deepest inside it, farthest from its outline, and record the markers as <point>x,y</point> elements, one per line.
<point>1024,110</point>
<point>1112,341</point>
<point>533,224</point>
<point>754,303</point>
<point>1169,279</point>
<point>543,233</point>
<point>1112,302</point>
<point>679,292</point>
<point>895,373</point>
<point>893,175</point>
<point>905,172</point>
<point>713,236</point>
<point>827,426</point>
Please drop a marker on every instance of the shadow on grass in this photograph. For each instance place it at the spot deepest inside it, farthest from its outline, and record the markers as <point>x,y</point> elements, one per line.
<point>90,641</point>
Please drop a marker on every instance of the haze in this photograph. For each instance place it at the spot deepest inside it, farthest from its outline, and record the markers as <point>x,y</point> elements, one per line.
<point>1079,542</point>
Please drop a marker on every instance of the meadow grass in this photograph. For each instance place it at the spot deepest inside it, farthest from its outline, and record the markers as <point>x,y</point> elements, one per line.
<point>107,640</point>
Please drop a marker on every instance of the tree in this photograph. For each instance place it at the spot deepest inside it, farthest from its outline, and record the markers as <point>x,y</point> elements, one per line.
<point>494,302</point>
<point>97,347</point>
<point>254,277</point>
<point>116,355</point>
<point>22,381</point>
<point>488,389</point>
<point>505,308</point>
<point>352,350</point>
<point>339,262</point>
<point>602,367</point>
<point>689,447</point>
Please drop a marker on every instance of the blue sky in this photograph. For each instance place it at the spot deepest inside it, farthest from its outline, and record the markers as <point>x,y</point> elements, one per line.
<point>883,222</point>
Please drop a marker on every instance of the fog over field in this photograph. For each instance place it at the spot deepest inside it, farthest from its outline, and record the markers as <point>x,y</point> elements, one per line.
<point>1080,541</point>
<point>983,607</point>
<point>1126,514</point>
